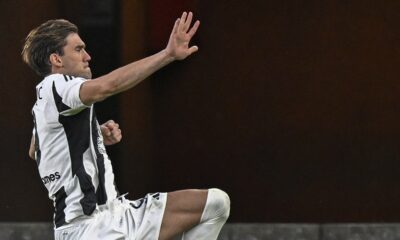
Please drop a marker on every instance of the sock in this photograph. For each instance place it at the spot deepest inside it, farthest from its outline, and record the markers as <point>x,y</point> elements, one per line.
<point>215,214</point>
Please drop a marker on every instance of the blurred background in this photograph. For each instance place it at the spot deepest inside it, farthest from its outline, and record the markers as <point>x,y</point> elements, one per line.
<point>290,106</point>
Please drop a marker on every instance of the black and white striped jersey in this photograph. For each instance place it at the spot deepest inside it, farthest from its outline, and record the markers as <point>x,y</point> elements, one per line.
<point>70,153</point>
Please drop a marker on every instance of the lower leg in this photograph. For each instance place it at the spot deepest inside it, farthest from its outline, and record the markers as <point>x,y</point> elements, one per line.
<point>197,214</point>
<point>215,214</point>
<point>183,211</point>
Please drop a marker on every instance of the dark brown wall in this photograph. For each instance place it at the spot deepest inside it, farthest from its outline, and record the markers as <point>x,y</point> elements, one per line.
<point>24,197</point>
<point>289,106</point>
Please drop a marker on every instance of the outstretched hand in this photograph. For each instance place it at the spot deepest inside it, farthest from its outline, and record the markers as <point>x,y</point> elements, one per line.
<point>178,44</point>
<point>111,132</point>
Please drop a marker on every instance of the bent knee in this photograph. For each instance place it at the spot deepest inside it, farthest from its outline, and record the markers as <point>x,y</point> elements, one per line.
<point>220,202</point>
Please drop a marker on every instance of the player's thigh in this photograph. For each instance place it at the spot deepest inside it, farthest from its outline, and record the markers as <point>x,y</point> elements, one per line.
<point>183,211</point>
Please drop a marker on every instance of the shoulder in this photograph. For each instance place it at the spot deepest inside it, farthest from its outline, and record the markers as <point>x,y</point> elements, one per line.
<point>62,78</point>
<point>62,81</point>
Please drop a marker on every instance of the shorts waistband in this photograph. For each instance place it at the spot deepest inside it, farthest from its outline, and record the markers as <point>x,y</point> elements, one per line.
<point>109,206</point>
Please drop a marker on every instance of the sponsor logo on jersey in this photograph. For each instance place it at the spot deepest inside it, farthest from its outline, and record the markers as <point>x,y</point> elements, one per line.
<point>51,178</point>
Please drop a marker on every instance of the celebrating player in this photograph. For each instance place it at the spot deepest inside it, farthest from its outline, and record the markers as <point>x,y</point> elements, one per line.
<point>68,144</point>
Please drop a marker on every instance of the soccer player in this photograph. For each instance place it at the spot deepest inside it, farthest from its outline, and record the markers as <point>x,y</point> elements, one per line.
<point>68,144</point>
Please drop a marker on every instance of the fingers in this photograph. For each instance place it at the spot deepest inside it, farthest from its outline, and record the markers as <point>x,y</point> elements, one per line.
<point>193,30</point>
<point>188,22</point>
<point>182,33</point>
<point>110,124</point>
<point>116,134</point>
<point>110,128</point>
<point>184,22</point>
<point>105,130</point>
<point>111,136</point>
<point>175,29</point>
<point>193,49</point>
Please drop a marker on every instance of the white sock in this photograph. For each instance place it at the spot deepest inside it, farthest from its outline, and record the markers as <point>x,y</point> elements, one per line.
<point>215,214</point>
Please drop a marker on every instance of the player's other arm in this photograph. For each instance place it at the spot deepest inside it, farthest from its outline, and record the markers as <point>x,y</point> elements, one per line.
<point>111,132</point>
<point>130,75</point>
<point>32,148</point>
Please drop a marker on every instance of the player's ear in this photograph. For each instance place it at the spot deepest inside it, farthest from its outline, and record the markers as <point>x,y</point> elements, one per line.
<point>55,60</point>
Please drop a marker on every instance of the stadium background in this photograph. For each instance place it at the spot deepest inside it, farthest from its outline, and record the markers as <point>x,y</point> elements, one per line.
<point>290,106</point>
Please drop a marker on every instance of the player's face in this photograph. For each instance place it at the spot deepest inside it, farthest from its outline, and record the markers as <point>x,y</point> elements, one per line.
<point>75,59</point>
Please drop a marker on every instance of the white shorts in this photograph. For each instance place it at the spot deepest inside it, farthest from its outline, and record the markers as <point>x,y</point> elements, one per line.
<point>120,219</point>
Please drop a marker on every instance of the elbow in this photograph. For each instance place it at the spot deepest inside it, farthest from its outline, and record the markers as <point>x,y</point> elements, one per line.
<point>31,154</point>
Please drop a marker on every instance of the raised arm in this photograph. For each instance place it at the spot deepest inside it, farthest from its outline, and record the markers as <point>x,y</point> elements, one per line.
<point>130,75</point>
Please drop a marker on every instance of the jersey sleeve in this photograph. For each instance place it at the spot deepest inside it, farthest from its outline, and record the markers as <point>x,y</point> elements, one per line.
<point>66,94</point>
